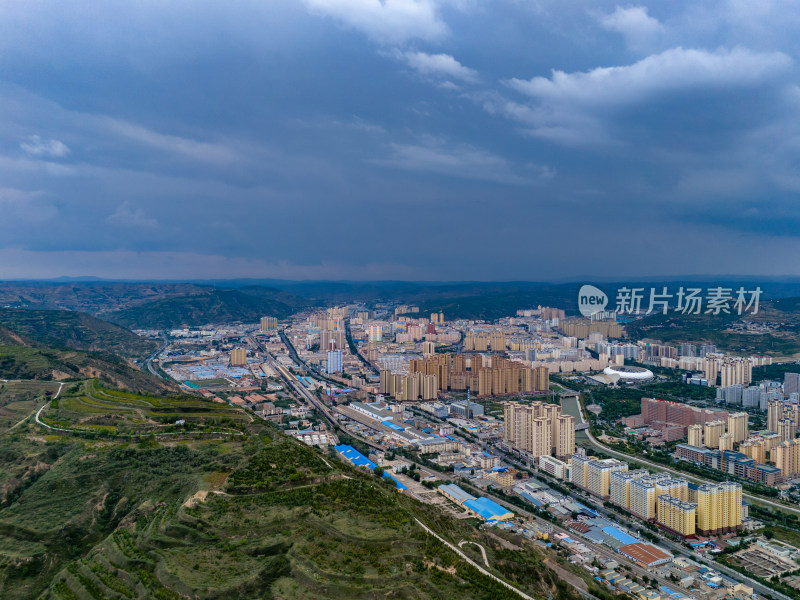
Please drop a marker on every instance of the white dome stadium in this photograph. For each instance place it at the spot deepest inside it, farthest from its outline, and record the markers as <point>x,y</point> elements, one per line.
<point>626,373</point>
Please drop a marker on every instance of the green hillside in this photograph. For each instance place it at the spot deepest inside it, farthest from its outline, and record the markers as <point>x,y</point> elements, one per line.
<point>69,329</point>
<point>256,516</point>
<point>47,364</point>
<point>216,306</point>
<point>90,408</point>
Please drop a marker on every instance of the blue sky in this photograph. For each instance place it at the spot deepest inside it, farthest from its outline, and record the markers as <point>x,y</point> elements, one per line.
<point>398,139</point>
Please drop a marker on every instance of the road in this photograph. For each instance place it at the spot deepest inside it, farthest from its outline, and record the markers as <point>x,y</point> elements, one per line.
<point>60,387</point>
<point>299,361</point>
<point>148,362</point>
<point>466,558</point>
<point>290,379</point>
<point>354,348</point>
<point>481,548</point>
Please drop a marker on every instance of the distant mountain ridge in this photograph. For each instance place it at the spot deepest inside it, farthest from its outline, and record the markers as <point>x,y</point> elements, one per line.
<point>151,305</point>
<point>93,298</point>
<point>216,306</point>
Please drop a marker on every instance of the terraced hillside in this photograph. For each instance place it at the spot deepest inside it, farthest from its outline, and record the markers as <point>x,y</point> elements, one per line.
<point>19,399</point>
<point>291,524</point>
<point>89,408</point>
<point>258,516</point>
<point>18,360</point>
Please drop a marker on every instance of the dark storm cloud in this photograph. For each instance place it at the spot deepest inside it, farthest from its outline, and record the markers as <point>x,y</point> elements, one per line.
<point>398,139</point>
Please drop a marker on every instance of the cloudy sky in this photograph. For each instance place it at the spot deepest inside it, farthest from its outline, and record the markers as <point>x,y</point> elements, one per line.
<point>398,139</point>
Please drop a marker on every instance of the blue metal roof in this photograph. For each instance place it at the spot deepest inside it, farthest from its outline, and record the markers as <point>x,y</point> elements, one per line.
<point>619,535</point>
<point>531,499</point>
<point>354,456</point>
<point>392,425</point>
<point>455,492</point>
<point>586,509</point>
<point>486,508</point>
<point>397,484</point>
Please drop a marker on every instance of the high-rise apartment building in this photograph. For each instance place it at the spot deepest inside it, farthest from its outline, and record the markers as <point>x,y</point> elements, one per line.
<point>711,432</point>
<point>540,429</point>
<point>239,357</point>
<point>786,457</point>
<point>643,498</point>
<point>598,478</point>
<point>719,508</point>
<point>791,384</point>
<point>711,369</point>
<point>331,339</point>
<point>738,426</point>
<point>268,324</point>
<point>774,414</point>
<point>581,328</point>
<point>755,449</point>
<point>579,471</point>
<point>725,442</point>
<point>787,429</point>
<point>386,382</point>
<point>677,488</point>
<point>730,370</point>
<point>564,436</point>
<point>541,379</point>
<point>707,349</point>
<point>429,387</point>
<point>334,362</point>
<point>696,435</point>
<point>374,333</point>
<point>619,487</point>
<point>736,370</point>
<point>476,342</point>
<point>476,363</point>
<point>497,340</point>
<point>677,515</point>
<point>759,446</point>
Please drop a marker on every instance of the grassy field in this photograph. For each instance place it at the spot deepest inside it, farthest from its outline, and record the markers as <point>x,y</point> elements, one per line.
<point>88,407</point>
<point>261,517</point>
<point>790,536</point>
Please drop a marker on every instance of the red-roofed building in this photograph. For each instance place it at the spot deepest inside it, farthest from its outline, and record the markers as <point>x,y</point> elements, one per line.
<point>645,554</point>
